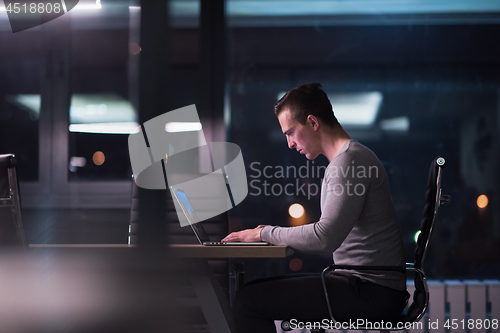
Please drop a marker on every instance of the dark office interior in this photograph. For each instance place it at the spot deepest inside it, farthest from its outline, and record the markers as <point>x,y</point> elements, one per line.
<point>434,69</point>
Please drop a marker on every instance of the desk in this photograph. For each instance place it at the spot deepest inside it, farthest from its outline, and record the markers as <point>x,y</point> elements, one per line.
<point>213,302</point>
<point>190,250</point>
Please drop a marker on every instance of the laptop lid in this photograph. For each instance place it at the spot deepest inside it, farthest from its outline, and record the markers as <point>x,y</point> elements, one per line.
<point>190,214</point>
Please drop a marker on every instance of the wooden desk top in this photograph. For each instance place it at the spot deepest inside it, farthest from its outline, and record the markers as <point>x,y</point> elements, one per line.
<point>226,251</point>
<point>190,250</point>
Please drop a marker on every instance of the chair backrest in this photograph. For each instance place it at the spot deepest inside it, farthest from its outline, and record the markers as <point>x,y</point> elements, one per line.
<point>432,203</point>
<point>11,225</point>
<point>433,200</point>
<point>134,215</point>
<point>6,161</point>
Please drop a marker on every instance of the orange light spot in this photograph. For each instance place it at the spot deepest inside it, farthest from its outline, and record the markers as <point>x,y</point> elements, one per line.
<point>98,158</point>
<point>134,48</point>
<point>482,201</point>
<point>295,264</point>
<point>296,210</point>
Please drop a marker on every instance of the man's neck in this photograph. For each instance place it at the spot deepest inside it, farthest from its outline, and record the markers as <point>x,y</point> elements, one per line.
<point>334,139</point>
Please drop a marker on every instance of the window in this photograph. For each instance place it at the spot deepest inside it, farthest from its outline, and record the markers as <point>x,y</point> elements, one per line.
<point>430,95</point>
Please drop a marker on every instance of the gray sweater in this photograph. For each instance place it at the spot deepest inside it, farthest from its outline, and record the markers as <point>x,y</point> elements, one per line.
<point>358,220</point>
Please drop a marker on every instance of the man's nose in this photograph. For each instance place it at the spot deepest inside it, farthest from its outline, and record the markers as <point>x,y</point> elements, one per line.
<point>291,143</point>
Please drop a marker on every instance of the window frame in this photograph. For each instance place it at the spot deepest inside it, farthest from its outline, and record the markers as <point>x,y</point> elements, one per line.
<point>53,188</point>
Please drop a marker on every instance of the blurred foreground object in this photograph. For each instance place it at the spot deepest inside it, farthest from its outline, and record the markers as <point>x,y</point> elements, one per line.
<point>88,291</point>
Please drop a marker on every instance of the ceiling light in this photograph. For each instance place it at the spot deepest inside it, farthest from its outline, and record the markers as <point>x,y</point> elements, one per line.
<point>175,127</point>
<point>105,128</point>
<point>401,124</point>
<point>356,109</point>
<point>89,6</point>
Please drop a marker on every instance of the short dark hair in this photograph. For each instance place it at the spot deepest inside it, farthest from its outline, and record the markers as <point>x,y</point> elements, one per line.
<point>307,99</point>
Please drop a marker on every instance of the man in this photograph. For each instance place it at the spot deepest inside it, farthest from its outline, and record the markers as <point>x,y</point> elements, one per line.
<point>358,224</point>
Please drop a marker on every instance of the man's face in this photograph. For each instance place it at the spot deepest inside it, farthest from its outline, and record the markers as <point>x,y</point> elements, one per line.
<point>304,138</point>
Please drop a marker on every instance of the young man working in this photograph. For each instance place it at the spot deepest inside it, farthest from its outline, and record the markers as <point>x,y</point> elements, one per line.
<point>358,224</point>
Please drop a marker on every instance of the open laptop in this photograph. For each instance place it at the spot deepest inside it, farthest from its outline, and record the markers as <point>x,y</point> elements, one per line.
<point>197,227</point>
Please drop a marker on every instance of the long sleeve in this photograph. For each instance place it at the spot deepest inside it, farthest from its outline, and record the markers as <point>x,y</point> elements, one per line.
<point>342,196</point>
<point>358,222</point>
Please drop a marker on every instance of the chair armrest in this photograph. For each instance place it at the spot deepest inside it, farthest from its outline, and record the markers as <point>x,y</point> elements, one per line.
<point>333,267</point>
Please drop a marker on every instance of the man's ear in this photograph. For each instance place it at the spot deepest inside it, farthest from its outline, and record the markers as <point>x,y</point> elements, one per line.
<point>313,120</point>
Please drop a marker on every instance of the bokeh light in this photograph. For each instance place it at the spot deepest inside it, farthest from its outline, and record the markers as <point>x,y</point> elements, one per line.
<point>134,48</point>
<point>98,158</point>
<point>295,264</point>
<point>296,210</point>
<point>482,201</point>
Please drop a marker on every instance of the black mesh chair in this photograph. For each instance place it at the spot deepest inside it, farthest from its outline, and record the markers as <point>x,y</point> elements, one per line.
<point>416,310</point>
<point>11,225</point>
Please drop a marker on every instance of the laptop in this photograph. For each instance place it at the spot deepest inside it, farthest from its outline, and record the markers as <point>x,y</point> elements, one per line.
<point>197,227</point>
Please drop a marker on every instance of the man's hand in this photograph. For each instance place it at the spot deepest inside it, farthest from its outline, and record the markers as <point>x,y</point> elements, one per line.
<point>247,235</point>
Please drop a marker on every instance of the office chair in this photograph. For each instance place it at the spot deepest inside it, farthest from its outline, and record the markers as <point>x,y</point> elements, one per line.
<point>11,229</point>
<point>416,310</point>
